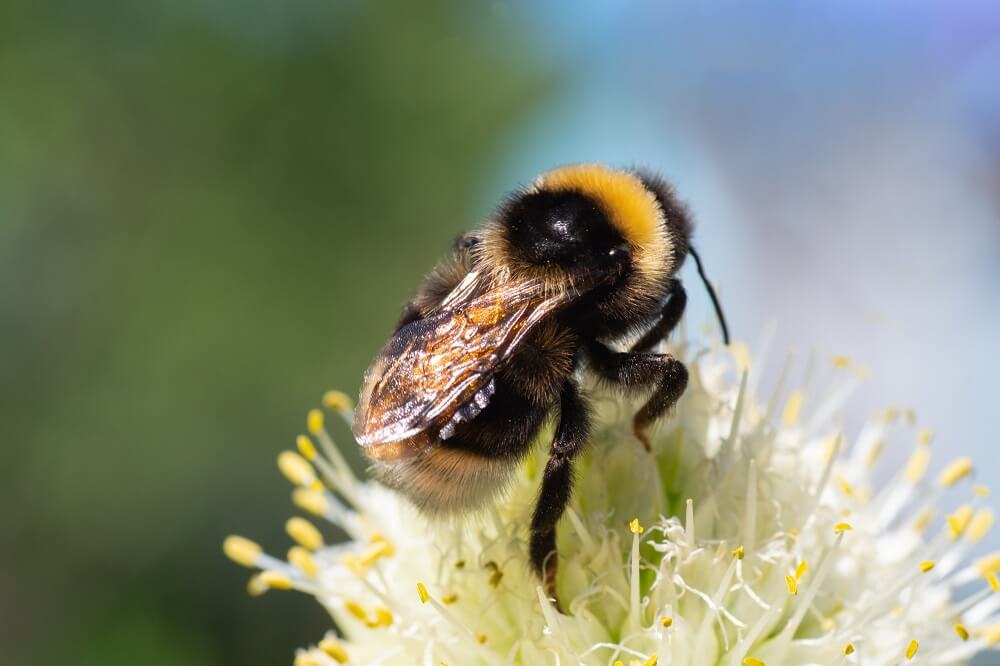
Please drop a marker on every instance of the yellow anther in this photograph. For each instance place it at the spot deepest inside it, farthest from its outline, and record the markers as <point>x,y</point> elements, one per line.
<point>334,650</point>
<point>355,609</point>
<point>910,416</point>
<point>422,593</point>
<point>980,490</point>
<point>304,533</point>
<point>383,616</point>
<point>449,599</point>
<point>376,551</point>
<point>958,521</point>
<point>923,520</point>
<point>316,486</point>
<point>916,466</point>
<point>667,621</point>
<point>635,527</point>
<point>801,569</point>
<point>354,564</point>
<point>956,471</point>
<point>241,550</point>
<point>296,468</point>
<point>841,362</point>
<point>306,447</point>
<point>481,638</point>
<point>793,585</point>
<point>313,501</point>
<point>911,649</point>
<point>256,586</point>
<point>314,421</point>
<point>925,436</point>
<point>738,553</point>
<point>276,580</point>
<point>993,581</point>
<point>619,662</point>
<point>980,526</point>
<point>790,415</point>
<point>741,354</point>
<point>845,487</point>
<point>752,661</point>
<point>989,563</point>
<point>874,453</point>
<point>840,528</point>
<point>337,401</point>
<point>301,558</point>
<point>990,634</point>
<point>849,648</point>
<point>460,564</point>
<point>962,632</point>
<point>926,565</point>
<point>890,414</point>
<point>651,661</point>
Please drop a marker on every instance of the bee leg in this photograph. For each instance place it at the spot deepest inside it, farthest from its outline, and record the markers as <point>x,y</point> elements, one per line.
<point>671,314</point>
<point>638,370</point>
<point>557,484</point>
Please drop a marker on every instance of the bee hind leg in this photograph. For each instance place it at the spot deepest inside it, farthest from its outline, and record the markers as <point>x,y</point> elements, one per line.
<point>557,485</point>
<point>636,370</point>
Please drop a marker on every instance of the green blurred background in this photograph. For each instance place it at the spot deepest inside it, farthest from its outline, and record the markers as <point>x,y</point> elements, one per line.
<point>211,212</point>
<point>210,215</point>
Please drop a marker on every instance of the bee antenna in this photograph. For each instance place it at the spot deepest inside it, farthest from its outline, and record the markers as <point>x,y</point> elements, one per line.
<point>712,295</point>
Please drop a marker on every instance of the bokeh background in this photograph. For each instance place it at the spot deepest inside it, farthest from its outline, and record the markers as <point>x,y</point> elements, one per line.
<point>211,212</point>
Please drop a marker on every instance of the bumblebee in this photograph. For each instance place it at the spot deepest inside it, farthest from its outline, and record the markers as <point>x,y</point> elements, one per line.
<point>496,339</point>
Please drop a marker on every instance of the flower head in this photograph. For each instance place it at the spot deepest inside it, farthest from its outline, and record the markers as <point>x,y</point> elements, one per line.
<point>754,533</point>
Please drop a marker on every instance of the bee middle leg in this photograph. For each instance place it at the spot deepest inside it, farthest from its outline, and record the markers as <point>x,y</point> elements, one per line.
<point>557,484</point>
<point>665,373</point>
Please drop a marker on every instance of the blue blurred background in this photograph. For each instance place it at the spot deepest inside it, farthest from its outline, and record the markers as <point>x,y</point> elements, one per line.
<point>211,212</point>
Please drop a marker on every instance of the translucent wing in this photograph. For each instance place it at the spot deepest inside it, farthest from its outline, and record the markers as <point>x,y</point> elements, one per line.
<point>435,365</point>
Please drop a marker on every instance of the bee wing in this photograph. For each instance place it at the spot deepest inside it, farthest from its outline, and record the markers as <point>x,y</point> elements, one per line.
<point>433,366</point>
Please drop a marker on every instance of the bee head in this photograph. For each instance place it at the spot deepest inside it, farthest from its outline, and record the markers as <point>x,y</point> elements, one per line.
<point>565,229</point>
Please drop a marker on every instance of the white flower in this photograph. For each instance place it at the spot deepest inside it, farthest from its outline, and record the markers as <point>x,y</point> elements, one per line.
<point>755,533</point>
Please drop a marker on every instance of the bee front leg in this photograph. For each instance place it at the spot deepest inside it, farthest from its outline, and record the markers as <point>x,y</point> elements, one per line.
<point>670,315</point>
<point>557,484</point>
<point>635,370</point>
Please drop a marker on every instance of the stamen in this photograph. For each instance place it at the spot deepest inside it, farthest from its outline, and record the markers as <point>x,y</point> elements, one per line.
<point>635,527</point>
<point>305,447</point>
<point>801,569</point>
<point>752,661</point>
<point>849,648</point>
<point>958,521</point>
<point>651,661</point>
<point>304,533</point>
<point>356,609</point>
<point>840,528</point>
<point>926,566</point>
<point>738,553</point>
<point>376,551</point>
<point>301,558</point>
<point>954,472</point>
<point>916,467</point>
<point>962,632</point>
<point>790,415</point>
<point>334,649</point>
<point>980,526</point>
<point>667,622</point>
<point>923,520</point>
<point>422,593</point>
<point>256,586</point>
<point>314,421</point>
<point>312,501</point>
<point>911,649</point>
<point>296,468</point>
<point>793,585</point>
<point>276,580</point>
<point>980,490</point>
<point>241,550</point>
<point>924,436</point>
<point>338,401</point>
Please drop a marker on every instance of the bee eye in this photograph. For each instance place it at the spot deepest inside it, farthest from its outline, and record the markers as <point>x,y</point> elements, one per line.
<point>620,251</point>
